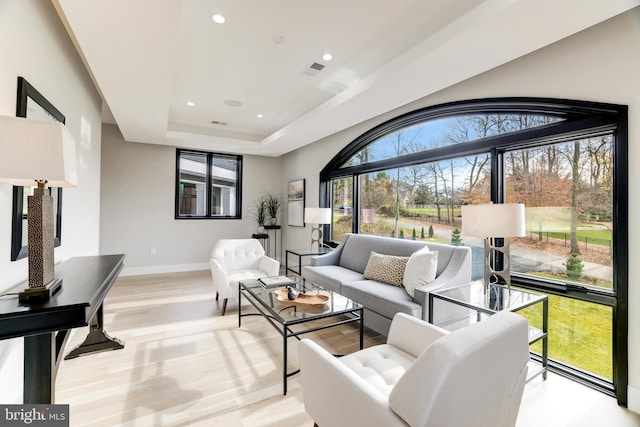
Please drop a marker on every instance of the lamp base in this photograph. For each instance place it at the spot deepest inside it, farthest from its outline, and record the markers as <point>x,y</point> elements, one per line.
<point>496,272</point>
<point>39,293</point>
<point>316,236</point>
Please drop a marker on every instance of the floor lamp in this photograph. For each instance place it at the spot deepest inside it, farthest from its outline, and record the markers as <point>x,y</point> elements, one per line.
<point>495,223</point>
<point>317,217</point>
<point>38,153</point>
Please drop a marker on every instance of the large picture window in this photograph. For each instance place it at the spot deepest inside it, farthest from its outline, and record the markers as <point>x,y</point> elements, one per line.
<point>564,160</point>
<point>207,185</point>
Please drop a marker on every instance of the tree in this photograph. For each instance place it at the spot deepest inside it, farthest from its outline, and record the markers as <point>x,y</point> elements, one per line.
<point>402,142</point>
<point>574,266</point>
<point>423,195</point>
<point>456,239</point>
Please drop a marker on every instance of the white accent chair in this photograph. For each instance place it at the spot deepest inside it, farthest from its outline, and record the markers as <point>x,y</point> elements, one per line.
<point>423,376</point>
<point>233,260</point>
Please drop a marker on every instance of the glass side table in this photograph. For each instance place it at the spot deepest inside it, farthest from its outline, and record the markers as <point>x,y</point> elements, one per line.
<point>301,253</point>
<point>473,303</point>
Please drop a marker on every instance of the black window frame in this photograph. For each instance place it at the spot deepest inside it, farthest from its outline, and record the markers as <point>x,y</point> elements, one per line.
<point>580,118</point>
<point>208,181</point>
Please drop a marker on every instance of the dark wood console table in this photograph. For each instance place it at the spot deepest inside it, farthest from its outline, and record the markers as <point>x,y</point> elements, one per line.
<point>45,326</point>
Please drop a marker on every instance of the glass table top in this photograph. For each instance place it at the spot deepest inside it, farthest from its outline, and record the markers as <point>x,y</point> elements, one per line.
<point>289,312</point>
<point>303,252</point>
<point>494,298</point>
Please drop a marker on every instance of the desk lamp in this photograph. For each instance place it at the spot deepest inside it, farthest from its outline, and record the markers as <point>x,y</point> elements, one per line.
<point>317,217</point>
<point>38,153</point>
<point>495,223</point>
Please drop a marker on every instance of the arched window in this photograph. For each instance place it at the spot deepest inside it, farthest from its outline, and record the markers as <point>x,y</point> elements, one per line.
<point>565,160</point>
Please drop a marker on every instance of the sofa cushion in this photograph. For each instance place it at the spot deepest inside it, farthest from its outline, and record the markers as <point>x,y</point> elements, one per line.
<point>420,270</point>
<point>386,268</point>
<point>357,247</point>
<point>330,276</point>
<point>382,298</point>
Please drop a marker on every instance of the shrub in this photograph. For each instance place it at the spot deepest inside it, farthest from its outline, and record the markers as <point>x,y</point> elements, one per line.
<point>422,233</point>
<point>414,236</point>
<point>431,231</point>
<point>456,239</point>
<point>574,266</point>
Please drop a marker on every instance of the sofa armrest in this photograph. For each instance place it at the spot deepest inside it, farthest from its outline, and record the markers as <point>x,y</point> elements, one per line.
<point>457,272</point>
<point>331,258</point>
<point>412,335</point>
<point>334,395</point>
<point>270,266</point>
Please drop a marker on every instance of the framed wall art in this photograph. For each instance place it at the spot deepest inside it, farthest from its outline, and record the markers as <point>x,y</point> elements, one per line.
<point>295,205</point>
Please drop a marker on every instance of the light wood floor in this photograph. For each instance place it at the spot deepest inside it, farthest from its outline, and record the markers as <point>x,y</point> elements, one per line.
<point>185,365</point>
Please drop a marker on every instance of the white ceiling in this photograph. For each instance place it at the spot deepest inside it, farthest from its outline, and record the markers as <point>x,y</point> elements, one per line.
<point>149,57</point>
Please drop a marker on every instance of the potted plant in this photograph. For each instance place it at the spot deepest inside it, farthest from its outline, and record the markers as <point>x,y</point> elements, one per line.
<point>259,212</point>
<point>274,205</point>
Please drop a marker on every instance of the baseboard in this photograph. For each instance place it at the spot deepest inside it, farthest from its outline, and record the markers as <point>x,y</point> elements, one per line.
<point>633,399</point>
<point>162,269</point>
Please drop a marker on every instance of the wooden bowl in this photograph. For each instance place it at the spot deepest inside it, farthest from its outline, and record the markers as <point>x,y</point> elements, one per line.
<point>302,299</point>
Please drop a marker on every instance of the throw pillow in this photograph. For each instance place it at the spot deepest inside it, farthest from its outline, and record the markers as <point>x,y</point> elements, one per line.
<point>421,269</point>
<point>386,268</point>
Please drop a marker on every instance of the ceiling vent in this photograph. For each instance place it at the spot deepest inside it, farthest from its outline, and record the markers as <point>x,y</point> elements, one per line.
<point>314,69</point>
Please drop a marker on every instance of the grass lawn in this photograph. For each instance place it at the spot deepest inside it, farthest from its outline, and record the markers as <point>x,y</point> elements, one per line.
<point>580,333</point>
<point>600,237</point>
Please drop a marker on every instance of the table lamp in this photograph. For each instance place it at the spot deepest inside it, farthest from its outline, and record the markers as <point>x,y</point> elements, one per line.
<point>317,217</point>
<point>38,153</point>
<point>495,223</point>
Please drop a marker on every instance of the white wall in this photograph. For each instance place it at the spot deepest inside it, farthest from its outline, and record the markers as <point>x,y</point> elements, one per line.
<point>35,45</point>
<point>600,64</point>
<point>138,196</point>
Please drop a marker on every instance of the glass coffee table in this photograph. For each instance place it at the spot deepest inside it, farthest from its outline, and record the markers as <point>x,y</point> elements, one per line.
<point>295,318</point>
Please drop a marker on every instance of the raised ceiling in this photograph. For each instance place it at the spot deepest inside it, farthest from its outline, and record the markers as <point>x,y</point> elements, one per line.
<point>148,58</point>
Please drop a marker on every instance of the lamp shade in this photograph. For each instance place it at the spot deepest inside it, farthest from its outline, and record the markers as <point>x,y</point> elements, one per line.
<point>317,215</point>
<point>493,220</point>
<point>33,150</point>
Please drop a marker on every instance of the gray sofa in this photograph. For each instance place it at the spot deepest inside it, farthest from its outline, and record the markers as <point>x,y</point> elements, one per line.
<point>342,271</point>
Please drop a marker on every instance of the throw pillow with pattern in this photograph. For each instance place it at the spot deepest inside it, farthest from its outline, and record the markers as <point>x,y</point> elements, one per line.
<point>386,268</point>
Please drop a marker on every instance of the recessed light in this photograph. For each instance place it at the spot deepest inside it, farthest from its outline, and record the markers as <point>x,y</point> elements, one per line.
<point>191,103</point>
<point>232,103</point>
<point>218,18</point>
<point>327,57</point>
<point>259,116</point>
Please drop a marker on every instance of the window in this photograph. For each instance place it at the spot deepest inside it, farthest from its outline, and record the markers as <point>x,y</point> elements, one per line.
<point>208,185</point>
<point>565,160</point>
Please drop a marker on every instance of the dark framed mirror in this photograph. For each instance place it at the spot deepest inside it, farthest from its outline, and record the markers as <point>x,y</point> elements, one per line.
<point>31,104</point>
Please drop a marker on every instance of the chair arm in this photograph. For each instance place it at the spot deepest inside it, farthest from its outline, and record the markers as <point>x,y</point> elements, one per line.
<point>412,335</point>
<point>269,265</point>
<point>336,396</point>
<point>220,279</point>
<point>457,272</point>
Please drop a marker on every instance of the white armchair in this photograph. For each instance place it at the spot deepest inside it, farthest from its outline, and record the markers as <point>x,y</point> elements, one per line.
<point>233,260</point>
<point>423,376</point>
